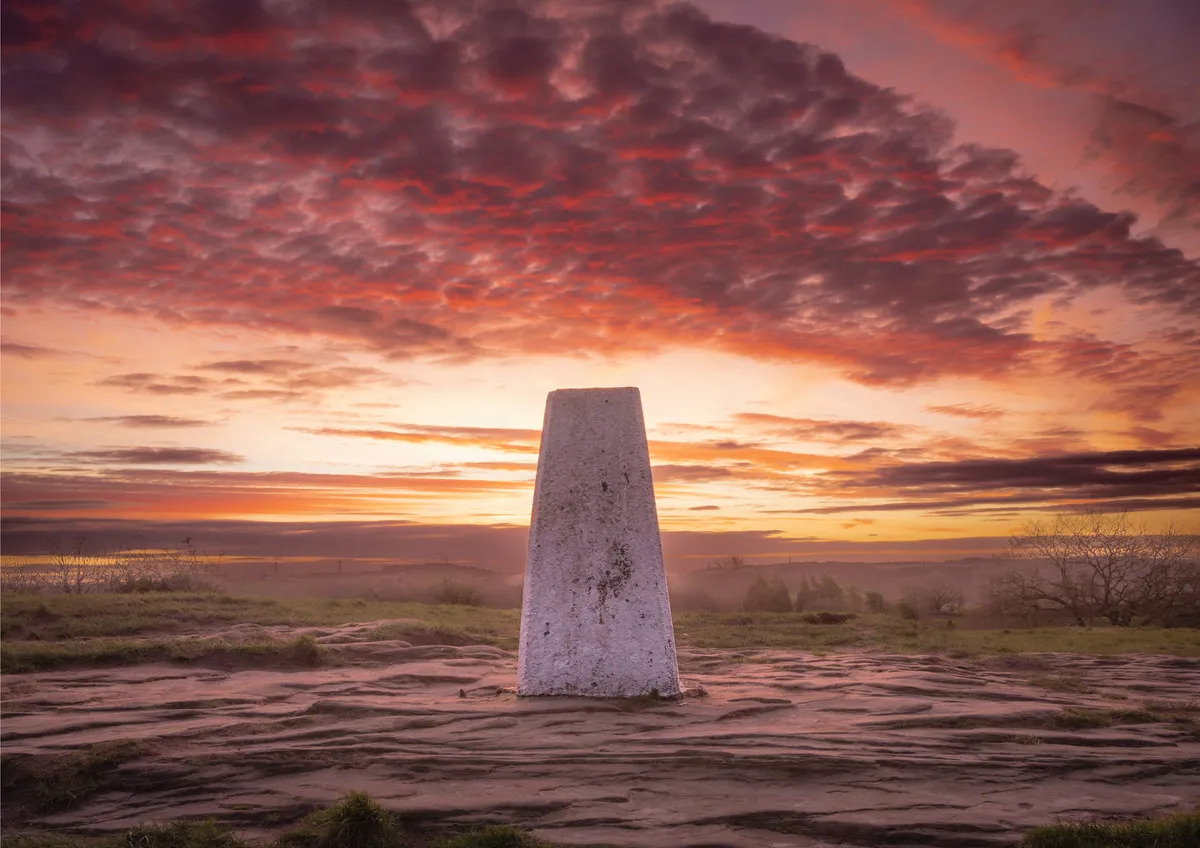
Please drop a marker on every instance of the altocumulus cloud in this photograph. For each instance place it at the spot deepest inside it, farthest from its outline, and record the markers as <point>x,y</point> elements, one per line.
<point>423,177</point>
<point>156,456</point>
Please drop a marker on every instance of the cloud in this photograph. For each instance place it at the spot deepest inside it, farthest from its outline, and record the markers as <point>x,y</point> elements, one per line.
<point>156,456</point>
<point>271,367</point>
<point>495,438</point>
<point>1108,477</point>
<point>968,410</point>
<point>152,421</point>
<point>462,181</point>
<point>815,430</point>
<point>279,380</point>
<point>29,351</point>
<point>499,547</point>
<point>689,473</point>
<point>1128,57</point>
<point>157,384</point>
<point>199,493</point>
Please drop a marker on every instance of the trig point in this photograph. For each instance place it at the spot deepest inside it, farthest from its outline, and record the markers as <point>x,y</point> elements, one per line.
<point>595,619</point>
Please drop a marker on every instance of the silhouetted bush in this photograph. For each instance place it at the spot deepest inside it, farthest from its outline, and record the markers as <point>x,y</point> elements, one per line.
<point>828,617</point>
<point>823,593</point>
<point>767,597</point>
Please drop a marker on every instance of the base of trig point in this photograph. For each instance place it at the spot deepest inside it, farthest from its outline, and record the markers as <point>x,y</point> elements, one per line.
<point>595,619</point>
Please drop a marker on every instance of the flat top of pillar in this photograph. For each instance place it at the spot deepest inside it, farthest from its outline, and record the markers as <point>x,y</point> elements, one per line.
<point>600,391</point>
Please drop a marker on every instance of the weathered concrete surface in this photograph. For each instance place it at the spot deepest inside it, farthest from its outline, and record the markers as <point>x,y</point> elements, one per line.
<point>789,750</point>
<point>596,619</point>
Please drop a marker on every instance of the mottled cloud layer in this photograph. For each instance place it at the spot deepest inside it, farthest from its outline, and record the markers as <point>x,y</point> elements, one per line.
<point>472,179</point>
<point>1136,59</point>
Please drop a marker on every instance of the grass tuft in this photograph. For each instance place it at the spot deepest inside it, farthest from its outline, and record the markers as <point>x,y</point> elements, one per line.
<point>181,834</point>
<point>308,650</point>
<point>1178,831</point>
<point>497,836</point>
<point>356,821</point>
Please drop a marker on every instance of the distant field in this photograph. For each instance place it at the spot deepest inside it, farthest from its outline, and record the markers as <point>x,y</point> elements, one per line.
<point>48,631</point>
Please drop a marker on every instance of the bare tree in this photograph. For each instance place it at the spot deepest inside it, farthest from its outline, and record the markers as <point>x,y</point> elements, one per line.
<point>74,565</point>
<point>1102,566</point>
<point>938,599</point>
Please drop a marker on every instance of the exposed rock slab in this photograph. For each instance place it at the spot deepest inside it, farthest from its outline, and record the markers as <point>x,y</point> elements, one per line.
<point>787,749</point>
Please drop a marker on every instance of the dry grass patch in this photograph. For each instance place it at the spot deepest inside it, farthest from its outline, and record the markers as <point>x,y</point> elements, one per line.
<point>45,783</point>
<point>1178,831</point>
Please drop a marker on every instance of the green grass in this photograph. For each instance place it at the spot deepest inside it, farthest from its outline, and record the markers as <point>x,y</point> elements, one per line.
<point>302,651</point>
<point>45,783</point>
<point>1178,831</point>
<point>56,617</point>
<point>880,632</point>
<point>53,631</point>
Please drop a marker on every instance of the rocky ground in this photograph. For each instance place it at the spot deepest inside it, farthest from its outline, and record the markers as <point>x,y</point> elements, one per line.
<point>784,749</point>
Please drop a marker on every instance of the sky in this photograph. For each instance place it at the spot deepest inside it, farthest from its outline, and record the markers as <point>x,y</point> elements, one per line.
<point>894,277</point>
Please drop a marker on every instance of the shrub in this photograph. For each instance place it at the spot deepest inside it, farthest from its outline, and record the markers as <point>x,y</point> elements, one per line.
<point>767,597</point>
<point>876,602</point>
<point>460,594</point>
<point>828,617</point>
<point>907,611</point>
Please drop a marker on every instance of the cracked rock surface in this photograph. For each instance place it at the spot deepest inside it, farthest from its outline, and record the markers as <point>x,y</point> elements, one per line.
<point>784,749</point>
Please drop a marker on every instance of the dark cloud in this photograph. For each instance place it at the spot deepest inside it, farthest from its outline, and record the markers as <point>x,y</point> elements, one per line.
<point>29,351</point>
<point>272,367</point>
<point>811,429</point>
<point>156,456</point>
<point>527,178</point>
<point>152,421</point>
<point>157,384</point>
<point>501,548</point>
<point>59,505</point>
<point>251,379</point>
<point>689,473</point>
<point>1130,476</point>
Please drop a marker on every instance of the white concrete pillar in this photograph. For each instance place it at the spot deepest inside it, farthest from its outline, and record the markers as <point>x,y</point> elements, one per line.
<point>595,619</point>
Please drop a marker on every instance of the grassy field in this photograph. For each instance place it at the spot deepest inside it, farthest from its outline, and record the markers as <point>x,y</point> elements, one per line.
<point>50,631</point>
